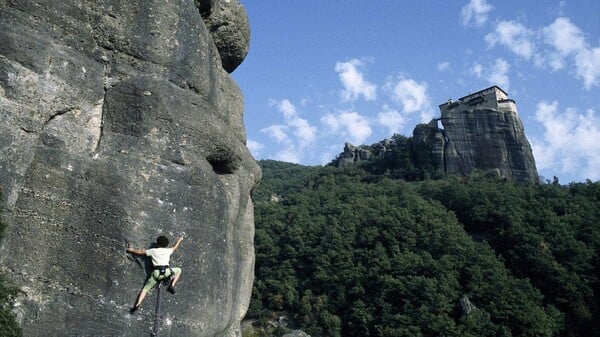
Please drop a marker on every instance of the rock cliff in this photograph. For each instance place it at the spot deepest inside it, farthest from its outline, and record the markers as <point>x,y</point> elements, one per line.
<point>353,154</point>
<point>481,131</point>
<point>119,122</point>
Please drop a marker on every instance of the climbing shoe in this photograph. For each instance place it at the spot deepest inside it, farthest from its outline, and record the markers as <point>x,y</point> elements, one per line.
<point>171,289</point>
<point>134,309</point>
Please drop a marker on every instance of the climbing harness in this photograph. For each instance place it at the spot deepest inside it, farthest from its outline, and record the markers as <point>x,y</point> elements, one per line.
<point>162,272</point>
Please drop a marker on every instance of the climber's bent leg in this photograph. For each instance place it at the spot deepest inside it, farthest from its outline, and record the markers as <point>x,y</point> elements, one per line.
<point>177,272</point>
<point>141,297</point>
<point>150,283</point>
<point>175,278</point>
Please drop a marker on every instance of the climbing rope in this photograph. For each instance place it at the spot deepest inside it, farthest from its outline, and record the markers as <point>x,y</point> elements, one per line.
<point>156,329</point>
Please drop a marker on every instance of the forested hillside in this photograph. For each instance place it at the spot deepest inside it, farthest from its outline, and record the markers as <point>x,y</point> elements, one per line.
<point>344,252</point>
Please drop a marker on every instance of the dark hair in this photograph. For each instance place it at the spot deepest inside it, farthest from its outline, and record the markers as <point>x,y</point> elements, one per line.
<point>162,241</point>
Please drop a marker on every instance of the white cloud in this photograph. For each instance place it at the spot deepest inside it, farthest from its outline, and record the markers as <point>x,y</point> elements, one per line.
<point>553,59</point>
<point>354,82</point>
<point>390,119</point>
<point>294,136</point>
<point>564,36</point>
<point>443,66</point>
<point>475,12</point>
<point>571,141</point>
<point>410,94</point>
<point>567,42</point>
<point>499,74</point>
<point>255,147</point>
<point>587,65</point>
<point>285,107</point>
<point>559,45</point>
<point>565,39</point>
<point>348,124</point>
<point>514,36</point>
<point>289,155</point>
<point>495,74</point>
<point>304,133</point>
<point>277,133</point>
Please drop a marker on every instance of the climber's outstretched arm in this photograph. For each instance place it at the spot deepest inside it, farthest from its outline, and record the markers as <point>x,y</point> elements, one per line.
<point>136,251</point>
<point>176,245</point>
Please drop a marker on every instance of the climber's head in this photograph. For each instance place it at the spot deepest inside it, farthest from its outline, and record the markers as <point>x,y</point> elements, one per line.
<point>162,241</point>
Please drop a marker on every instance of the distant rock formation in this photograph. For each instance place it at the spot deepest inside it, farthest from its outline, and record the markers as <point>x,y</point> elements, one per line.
<point>428,146</point>
<point>481,131</point>
<point>119,122</point>
<point>353,154</point>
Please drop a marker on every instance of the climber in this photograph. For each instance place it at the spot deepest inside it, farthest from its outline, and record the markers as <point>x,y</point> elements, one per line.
<point>160,260</point>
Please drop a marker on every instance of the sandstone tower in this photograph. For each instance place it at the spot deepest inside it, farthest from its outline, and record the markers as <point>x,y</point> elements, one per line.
<point>482,131</point>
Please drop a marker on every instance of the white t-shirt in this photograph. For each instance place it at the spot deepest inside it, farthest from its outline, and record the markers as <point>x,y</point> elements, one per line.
<point>160,256</point>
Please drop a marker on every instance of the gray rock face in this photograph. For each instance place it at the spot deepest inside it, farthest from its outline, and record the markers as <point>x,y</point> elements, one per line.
<point>118,123</point>
<point>352,154</point>
<point>428,143</point>
<point>489,140</point>
<point>483,131</point>
<point>466,305</point>
<point>228,23</point>
<point>359,154</point>
<point>296,333</point>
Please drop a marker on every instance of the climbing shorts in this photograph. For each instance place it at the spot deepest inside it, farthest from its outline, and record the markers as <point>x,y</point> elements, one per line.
<point>156,276</point>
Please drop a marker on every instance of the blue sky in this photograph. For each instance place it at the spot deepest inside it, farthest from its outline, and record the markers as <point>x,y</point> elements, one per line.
<point>320,73</point>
